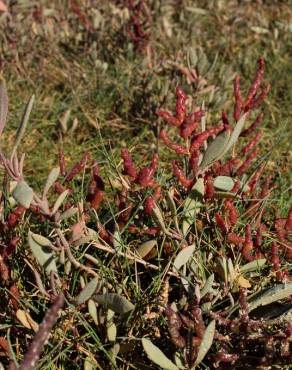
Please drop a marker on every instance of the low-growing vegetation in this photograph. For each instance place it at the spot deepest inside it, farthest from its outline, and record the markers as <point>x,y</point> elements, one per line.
<point>160,236</point>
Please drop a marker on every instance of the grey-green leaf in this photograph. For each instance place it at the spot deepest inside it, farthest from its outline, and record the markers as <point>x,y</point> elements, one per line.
<point>253,265</point>
<point>235,133</point>
<point>64,121</point>
<point>192,205</point>
<point>53,175</point>
<point>43,254</point>
<point>118,241</point>
<point>227,183</point>
<point>92,310</point>
<point>59,201</point>
<point>3,105</point>
<point>23,124</point>
<point>23,193</point>
<point>216,149</point>
<point>115,302</point>
<point>159,218</point>
<point>157,356</point>
<point>274,294</point>
<point>208,285</point>
<point>206,343</point>
<point>183,257</point>
<point>111,331</point>
<point>192,57</point>
<point>171,204</point>
<point>69,213</point>
<point>87,291</point>
<point>146,247</point>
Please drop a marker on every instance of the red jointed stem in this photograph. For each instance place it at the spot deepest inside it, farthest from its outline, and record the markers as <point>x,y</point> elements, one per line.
<point>145,175</point>
<point>252,143</point>
<point>232,212</point>
<point>77,168</point>
<point>238,99</point>
<point>129,167</point>
<point>199,139</point>
<point>248,245</point>
<point>179,149</point>
<point>62,163</point>
<point>255,85</point>
<point>221,223</point>
<point>254,125</point>
<point>177,171</point>
<point>186,129</point>
<point>246,164</point>
<point>180,105</point>
<point>260,98</point>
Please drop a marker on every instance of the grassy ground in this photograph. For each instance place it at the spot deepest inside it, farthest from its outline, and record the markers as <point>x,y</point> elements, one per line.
<point>78,56</point>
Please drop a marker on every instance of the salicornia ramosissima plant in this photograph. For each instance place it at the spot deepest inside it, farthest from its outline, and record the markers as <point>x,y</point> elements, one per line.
<point>196,235</point>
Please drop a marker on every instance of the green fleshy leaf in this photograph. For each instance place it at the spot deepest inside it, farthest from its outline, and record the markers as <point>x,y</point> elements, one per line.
<point>274,294</point>
<point>3,105</point>
<point>59,201</point>
<point>206,342</point>
<point>53,175</point>
<point>157,356</point>
<point>23,194</point>
<point>184,256</point>
<point>146,247</point>
<point>192,205</point>
<point>41,251</point>
<point>216,149</point>
<point>23,124</point>
<point>253,265</point>
<point>87,291</point>
<point>115,302</point>
<point>235,133</point>
<point>227,183</point>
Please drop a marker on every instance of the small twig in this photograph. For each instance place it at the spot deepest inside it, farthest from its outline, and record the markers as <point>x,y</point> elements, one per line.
<point>35,349</point>
<point>129,256</point>
<point>70,256</point>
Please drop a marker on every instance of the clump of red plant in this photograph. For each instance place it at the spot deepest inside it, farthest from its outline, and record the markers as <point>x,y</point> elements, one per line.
<point>207,220</point>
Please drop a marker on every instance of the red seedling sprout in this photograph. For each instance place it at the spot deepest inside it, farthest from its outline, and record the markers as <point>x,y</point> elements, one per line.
<point>281,275</point>
<point>235,239</point>
<point>225,121</point>
<point>232,212</point>
<point>255,85</point>
<point>138,22</point>
<point>77,168</point>
<point>62,163</point>
<point>288,224</point>
<point>194,161</point>
<point>236,187</point>
<point>221,223</point>
<point>183,180</point>
<point>129,167</point>
<point>255,178</point>
<point>11,246</point>
<point>95,192</point>
<point>145,175</point>
<point>15,216</point>
<point>178,119</point>
<point>174,326</point>
<point>248,245</point>
<point>209,187</point>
